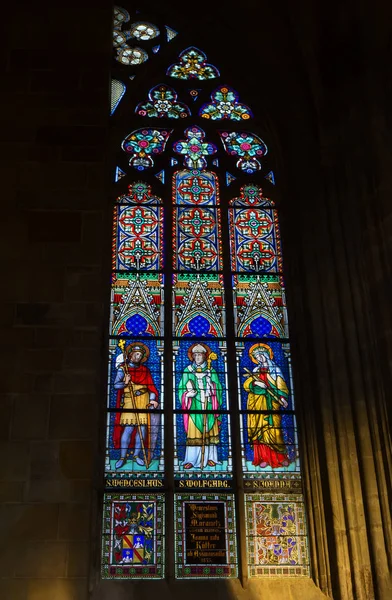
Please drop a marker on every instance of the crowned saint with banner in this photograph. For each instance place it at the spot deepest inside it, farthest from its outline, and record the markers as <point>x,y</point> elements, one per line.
<point>201,390</point>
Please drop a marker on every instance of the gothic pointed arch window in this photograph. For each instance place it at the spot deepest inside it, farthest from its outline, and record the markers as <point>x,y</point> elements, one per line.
<point>200,402</point>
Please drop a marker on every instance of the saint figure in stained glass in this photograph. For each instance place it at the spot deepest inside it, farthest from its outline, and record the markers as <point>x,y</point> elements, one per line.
<point>199,390</point>
<point>267,391</point>
<point>135,391</point>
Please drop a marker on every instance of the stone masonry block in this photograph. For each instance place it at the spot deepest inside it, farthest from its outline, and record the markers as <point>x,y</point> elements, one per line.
<point>49,490</point>
<point>11,491</point>
<point>54,226</point>
<point>71,136</point>
<point>44,461</point>
<point>76,459</point>
<point>13,589</point>
<point>76,382</point>
<point>72,416</point>
<point>57,589</point>
<point>29,522</point>
<point>74,521</point>
<point>81,282</point>
<point>83,359</point>
<point>43,360</point>
<point>6,408</point>
<point>54,82</point>
<point>31,313</point>
<point>78,559</point>
<point>30,417</point>
<point>42,559</point>
<point>14,461</point>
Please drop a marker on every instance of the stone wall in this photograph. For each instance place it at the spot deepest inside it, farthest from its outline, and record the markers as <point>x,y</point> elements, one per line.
<point>323,88</point>
<point>53,144</point>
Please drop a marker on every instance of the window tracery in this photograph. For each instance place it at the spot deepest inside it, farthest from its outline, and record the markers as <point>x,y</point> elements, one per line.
<point>189,251</point>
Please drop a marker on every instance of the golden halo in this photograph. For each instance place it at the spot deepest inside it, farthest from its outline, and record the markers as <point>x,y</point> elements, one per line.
<point>253,348</point>
<point>190,349</point>
<point>143,348</point>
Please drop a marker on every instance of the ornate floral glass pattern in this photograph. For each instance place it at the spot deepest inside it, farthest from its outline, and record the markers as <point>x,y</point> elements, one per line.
<point>142,144</point>
<point>144,31</point>
<point>163,103</point>
<point>197,238</point>
<point>141,31</point>
<point>255,242</point>
<point>133,538</point>
<point>276,535</point>
<point>195,187</point>
<point>137,238</point>
<point>193,65</point>
<point>251,194</point>
<point>137,230</point>
<point>139,192</point>
<point>224,105</point>
<point>120,17</point>
<point>194,148</point>
<point>247,146</point>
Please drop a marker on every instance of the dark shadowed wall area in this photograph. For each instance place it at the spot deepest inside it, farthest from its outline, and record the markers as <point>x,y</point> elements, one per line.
<point>318,78</point>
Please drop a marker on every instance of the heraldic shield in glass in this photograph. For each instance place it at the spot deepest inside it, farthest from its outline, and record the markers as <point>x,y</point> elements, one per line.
<point>133,536</point>
<point>276,535</point>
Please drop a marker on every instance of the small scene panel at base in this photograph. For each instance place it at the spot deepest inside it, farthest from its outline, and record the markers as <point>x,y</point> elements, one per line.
<point>205,536</point>
<point>276,535</point>
<point>133,536</point>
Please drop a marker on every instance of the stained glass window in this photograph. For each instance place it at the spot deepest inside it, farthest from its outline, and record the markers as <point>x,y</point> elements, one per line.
<point>199,357</point>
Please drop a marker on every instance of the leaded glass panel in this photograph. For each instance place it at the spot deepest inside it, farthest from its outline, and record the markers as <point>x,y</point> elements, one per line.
<point>205,536</point>
<point>133,536</point>
<point>276,535</point>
